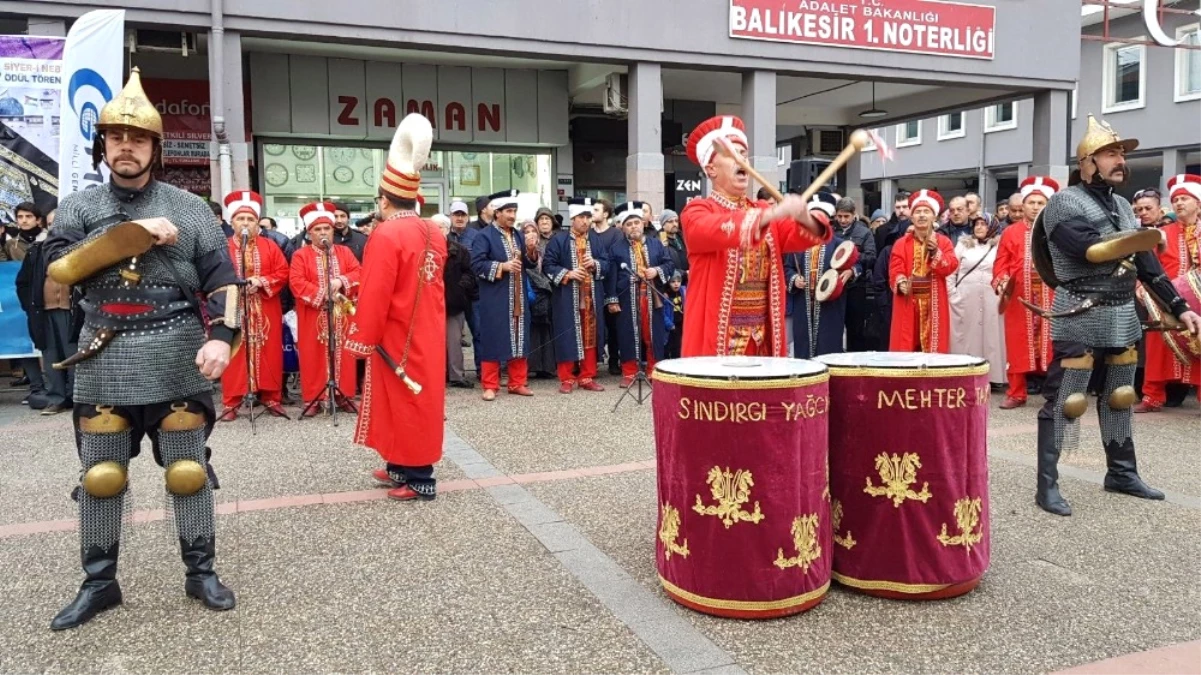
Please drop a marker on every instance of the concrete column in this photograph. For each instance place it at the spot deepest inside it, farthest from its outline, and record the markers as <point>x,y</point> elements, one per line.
<point>1173,164</point>
<point>1023,172</point>
<point>46,27</point>
<point>986,187</point>
<point>1052,112</point>
<point>759,114</point>
<point>644,164</point>
<point>852,186</point>
<point>235,118</point>
<point>888,194</point>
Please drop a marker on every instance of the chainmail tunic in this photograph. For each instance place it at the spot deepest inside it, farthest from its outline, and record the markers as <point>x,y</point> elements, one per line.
<point>143,367</point>
<point>1101,326</point>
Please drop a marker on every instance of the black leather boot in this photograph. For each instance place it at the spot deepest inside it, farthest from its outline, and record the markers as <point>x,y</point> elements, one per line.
<point>100,590</point>
<point>1048,497</point>
<point>201,581</point>
<point>1122,475</point>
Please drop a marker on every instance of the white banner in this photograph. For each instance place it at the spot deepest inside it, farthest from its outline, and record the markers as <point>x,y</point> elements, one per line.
<point>93,65</point>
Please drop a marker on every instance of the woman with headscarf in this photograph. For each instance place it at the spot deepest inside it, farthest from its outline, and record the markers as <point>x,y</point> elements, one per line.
<point>976,325</point>
<point>542,363</point>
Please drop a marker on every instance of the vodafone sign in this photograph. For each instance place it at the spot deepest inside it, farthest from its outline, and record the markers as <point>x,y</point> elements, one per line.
<point>915,26</point>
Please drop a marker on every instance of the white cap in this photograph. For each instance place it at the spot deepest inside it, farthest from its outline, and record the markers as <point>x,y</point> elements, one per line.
<point>455,207</point>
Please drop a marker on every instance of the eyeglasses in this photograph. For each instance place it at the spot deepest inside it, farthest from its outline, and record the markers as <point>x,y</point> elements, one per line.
<point>1149,192</point>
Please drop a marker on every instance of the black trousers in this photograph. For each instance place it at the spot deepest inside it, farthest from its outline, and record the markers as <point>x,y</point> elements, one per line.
<point>859,312</point>
<point>59,383</point>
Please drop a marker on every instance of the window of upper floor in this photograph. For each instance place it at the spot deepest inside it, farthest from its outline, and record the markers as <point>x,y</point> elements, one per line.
<point>950,126</point>
<point>1001,117</point>
<point>1188,64</point>
<point>909,133</point>
<point>1124,77</point>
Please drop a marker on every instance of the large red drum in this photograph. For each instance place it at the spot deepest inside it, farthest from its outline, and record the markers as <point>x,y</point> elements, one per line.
<point>744,512</point>
<point>1184,345</point>
<point>909,472</point>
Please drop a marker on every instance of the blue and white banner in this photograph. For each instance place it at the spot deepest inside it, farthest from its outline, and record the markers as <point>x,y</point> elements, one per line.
<point>93,66</point>
<point>14,327</point>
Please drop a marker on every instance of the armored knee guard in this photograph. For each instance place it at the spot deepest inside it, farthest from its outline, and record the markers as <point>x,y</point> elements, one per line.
<point>1116,401</point>
<point>105,446</point>
<point>1072,401</point>
<point>181,438</point>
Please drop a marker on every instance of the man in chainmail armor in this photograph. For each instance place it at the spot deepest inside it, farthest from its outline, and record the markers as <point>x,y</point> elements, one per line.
<point>1088,244</point>
<point>142,250</point>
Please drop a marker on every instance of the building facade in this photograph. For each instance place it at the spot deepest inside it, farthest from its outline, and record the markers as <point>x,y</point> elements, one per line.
<point>589,97</point>
<point>1148,92</point>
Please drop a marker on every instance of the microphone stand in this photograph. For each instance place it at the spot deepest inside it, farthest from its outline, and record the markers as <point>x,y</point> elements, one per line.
<point>640,378</point>
<point>331,384</point>
<point>250,398</point>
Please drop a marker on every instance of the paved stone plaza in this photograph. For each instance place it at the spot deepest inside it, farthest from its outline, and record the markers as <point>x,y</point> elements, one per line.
<point>538,557</point>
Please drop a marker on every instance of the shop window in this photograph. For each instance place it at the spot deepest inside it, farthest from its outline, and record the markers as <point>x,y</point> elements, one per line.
<point>950,126</point>
<point>909,133</point>
<point>1188,64</point>
<point>1001,117</point>
<point>295,175</point>
<point>1124,77</point>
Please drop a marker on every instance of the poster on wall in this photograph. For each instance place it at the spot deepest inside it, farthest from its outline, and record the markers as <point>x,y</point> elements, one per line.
<point>187,128</point>
<point>30,98</point>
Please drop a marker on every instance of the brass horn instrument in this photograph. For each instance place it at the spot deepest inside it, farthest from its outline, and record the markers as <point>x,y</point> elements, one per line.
<point>344,305</point>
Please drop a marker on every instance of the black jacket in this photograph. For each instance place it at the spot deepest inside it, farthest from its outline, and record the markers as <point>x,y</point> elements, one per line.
<point>462,289</point>
<point>30,282</point>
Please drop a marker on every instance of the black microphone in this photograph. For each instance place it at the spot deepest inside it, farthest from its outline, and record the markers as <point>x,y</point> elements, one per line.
<point>245,237</point>
<point>324,242</point>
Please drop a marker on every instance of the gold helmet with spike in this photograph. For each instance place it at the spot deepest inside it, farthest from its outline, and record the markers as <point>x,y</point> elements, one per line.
<point>1098,136</point>
<point>132,109</point>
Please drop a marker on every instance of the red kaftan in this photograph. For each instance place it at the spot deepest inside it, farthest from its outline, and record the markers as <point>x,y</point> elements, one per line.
<point>1027,337</point>
<point>403,254</point>
<point>308,285</point>
<point>262,332</point>
<point>1180,256</point>
<point>920,325</point>
<point>723,240</point>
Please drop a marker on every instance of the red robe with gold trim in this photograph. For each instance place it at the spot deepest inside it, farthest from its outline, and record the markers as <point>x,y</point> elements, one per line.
<point>404,256</point>
<point>262,331</point>
<point>308,285</point>
<point>1027,337</point>
<point>1179,256</point>
<point>921,325</point>
<point>723,239</point>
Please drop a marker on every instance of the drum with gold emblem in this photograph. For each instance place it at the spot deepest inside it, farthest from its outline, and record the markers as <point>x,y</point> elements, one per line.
<point>744,513</point>
<point>909,472</point>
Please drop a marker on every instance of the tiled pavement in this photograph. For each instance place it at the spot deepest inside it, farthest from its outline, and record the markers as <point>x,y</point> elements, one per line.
<point>538,556</point>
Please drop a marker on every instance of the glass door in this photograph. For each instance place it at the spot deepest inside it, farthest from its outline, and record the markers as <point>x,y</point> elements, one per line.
<point>434,194</point>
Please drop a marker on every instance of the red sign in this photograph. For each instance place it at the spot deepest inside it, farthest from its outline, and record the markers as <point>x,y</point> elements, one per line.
<point>914,26</point>
<point>187,129</point>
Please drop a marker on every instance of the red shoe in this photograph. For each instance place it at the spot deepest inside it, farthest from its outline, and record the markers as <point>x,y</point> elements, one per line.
<point>228,415</point>
<point>626,382</point>
<point>1148,406</point>
<point>277,410</point>
<point>489,394</point>
<point>521,391</point>
<point>406,493</point>
<point>1011,403</point>
<point>346,405</point>
<point>591,386</point>
<point>382,477</point>
<point>314,410</point>
<point>566,387</point>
